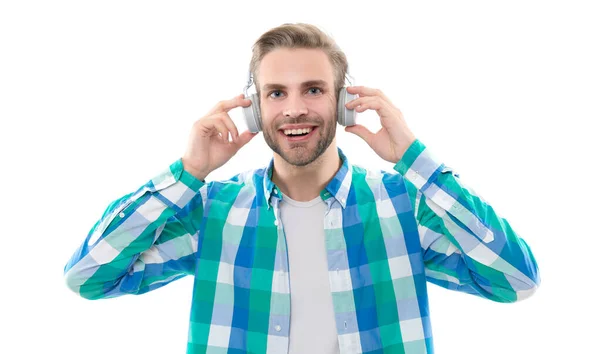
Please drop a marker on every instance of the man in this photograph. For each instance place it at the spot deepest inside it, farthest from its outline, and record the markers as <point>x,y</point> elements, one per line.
<point>310,254</point>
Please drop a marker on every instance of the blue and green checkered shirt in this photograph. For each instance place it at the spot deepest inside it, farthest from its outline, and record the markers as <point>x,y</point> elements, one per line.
<point>386,235</point>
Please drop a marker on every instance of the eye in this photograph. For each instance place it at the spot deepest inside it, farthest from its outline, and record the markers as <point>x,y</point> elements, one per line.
<point>313,89</point>
<point>275,94</point>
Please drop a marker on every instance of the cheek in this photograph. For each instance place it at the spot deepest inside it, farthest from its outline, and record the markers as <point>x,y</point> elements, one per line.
<point>267,116</point>
<point>325,108</point>
<point>332,105</point>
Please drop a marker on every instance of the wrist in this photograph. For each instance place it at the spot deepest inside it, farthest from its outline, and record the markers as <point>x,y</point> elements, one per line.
<point>198,173</point>
<point>409,141</point>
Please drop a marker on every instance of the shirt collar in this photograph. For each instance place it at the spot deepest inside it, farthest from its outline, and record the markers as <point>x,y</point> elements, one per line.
<point>338,188</point>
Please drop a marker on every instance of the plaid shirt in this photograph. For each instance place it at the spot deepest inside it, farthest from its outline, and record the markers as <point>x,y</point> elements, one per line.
<point>386,235</point>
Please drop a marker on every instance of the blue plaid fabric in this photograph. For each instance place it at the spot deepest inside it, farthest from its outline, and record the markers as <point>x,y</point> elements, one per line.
<point>386,236</point>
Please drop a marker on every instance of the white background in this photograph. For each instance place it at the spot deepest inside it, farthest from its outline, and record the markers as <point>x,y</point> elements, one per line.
<point>98,97</point>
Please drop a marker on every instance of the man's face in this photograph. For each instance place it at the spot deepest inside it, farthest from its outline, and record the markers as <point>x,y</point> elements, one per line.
<point>297,93</point>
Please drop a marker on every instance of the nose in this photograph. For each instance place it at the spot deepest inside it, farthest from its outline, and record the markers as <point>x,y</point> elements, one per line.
<point>295,106</point>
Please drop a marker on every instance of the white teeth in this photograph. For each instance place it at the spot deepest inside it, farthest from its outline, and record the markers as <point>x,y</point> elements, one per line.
<point>297,131</point>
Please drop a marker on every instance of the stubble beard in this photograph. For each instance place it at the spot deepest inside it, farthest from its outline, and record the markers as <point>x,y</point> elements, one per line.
<point>299,154</point>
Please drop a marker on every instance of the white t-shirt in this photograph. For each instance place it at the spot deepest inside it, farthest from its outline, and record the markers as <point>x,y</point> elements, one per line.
<point>312,328</point>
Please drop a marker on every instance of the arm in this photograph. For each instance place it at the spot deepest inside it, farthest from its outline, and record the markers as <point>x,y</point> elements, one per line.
<point>466,246</point>
<point>143,241</point>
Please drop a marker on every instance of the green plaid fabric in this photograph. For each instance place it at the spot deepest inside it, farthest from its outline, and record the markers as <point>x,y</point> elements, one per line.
<point>386,235</point>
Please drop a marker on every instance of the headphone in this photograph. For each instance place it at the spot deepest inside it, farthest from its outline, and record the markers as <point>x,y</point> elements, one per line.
<point>345,116</point>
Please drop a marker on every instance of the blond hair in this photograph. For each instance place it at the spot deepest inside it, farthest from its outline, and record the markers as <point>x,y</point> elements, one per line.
<point>299,35</point>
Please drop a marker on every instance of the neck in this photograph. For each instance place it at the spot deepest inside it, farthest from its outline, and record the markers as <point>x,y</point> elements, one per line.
<point>305,183</point>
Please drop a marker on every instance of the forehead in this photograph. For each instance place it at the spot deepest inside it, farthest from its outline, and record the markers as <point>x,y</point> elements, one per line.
<point>291,67</point>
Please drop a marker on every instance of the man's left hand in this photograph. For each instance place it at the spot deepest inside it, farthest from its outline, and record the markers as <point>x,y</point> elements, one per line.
<point>394,138</point>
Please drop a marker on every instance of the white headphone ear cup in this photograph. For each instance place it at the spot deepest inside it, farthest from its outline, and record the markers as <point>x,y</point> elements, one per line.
<point>346,117</point>
<point>252,114</point>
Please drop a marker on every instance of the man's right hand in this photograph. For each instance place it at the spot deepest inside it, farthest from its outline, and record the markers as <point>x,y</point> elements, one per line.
<point>208,145</point>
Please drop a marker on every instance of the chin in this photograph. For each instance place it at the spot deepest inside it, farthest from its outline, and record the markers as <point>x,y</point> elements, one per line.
<point>301,154</point>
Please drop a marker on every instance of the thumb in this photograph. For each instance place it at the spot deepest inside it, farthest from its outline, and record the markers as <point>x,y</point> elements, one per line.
<point>244,138</point>
<point>361,131</point>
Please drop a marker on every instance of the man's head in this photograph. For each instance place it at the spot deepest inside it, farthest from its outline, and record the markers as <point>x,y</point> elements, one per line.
<point>298,71</point>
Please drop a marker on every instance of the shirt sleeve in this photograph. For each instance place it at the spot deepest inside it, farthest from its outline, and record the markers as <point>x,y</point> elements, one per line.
<point>143,241</point>
<point>466,246</point>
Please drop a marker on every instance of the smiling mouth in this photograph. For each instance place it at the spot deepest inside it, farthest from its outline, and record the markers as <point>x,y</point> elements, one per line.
<point>298,134</point>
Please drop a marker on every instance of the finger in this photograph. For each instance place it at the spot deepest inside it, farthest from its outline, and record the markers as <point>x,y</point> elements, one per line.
<point>363,91</point>
<point>374,103</point>
<point>362,132</point>
<point>225,118</point>
<point>361,101</point>
<point>226,106</point>
<point>244,138</point>
<point>220,128</point>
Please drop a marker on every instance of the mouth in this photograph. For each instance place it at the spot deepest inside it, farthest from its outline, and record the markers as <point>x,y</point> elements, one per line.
<point>298,135</point>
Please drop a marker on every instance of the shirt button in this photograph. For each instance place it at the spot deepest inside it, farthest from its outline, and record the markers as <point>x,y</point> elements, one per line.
<point>122,215</point>
<point>278,328</point>
<point>275,222</point>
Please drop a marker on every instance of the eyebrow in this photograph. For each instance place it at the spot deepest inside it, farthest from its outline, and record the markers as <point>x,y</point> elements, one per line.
<point>311,83</point>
